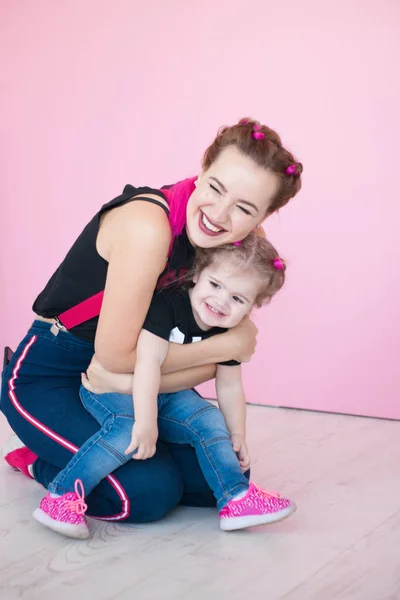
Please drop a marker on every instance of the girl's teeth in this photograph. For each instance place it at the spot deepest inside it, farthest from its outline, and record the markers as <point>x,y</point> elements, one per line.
<point>214,310</point>
<point>208,225</point>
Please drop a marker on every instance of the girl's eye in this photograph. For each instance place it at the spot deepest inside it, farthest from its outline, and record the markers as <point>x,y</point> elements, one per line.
<point>214,285</point>
<point>237,299</point>
<point>215,189</point>
<point>247,212</point>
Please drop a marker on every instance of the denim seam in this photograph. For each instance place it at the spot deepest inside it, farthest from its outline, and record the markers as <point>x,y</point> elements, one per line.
<point>113,451</point>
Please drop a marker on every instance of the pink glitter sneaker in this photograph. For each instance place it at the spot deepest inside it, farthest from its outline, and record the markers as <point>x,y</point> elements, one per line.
<point>257,507</point>
<point>18,456</point>
<point>65,514</point>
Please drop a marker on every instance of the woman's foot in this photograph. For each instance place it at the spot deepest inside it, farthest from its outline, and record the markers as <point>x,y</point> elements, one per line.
<point>65,514</point>
<point>257,507</point>
<point>18,456</point>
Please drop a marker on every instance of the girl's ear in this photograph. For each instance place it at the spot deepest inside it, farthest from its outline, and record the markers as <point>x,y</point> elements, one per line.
<point>195,278</point>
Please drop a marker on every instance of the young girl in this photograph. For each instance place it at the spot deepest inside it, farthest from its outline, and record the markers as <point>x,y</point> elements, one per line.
<point>226,283</point>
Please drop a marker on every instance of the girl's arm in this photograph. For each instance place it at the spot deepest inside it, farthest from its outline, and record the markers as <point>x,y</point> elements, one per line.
<point>232,403</point>
<point>151,352</point>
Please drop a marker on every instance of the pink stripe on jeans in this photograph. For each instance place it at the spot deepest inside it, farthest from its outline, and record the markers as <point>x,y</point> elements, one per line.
<point>57,438</point>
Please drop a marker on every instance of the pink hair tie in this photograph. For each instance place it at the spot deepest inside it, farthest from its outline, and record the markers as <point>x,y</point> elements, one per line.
<point>256,133</point>
<point>292,170</point>
<point>278,263</point>
<point>237,243</point>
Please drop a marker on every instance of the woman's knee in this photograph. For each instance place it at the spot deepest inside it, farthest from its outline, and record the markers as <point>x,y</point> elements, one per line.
<point>152,487</point>
<point>159,499</point>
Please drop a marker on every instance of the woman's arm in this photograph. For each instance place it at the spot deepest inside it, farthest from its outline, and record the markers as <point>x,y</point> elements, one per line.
<point>134,239</point>
<point>238,343</point>
<point>100,381</point>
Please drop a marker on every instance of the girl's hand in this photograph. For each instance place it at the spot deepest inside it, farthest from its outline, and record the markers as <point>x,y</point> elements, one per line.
<point>144,438</point>
<point>242,340</point>
<point>240,447</point>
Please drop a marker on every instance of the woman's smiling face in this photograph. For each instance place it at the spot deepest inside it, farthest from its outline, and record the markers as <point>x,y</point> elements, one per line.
<point>231,198</point>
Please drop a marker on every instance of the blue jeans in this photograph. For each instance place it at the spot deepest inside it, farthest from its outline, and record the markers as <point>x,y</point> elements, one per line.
<point>183,418</point>
<point>40,400</point>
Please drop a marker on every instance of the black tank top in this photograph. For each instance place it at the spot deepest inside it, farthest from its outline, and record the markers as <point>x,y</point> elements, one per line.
<point>83,271</point>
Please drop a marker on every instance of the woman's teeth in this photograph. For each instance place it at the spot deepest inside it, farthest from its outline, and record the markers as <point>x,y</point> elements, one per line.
<point>209,226</point>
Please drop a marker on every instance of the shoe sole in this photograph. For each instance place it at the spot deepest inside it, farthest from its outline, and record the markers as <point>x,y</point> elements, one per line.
<point>234,523</point>
<point>80,532</point>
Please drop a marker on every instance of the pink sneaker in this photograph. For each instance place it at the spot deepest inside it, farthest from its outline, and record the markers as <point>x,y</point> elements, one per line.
<point>257,507</point>
<point>18,456</point>
<point>65,514</point>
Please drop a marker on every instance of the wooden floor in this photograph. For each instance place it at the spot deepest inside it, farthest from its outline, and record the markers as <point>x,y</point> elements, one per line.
<point>343,543</point>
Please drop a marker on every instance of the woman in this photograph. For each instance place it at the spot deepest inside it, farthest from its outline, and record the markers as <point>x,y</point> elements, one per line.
<point>135,241</point>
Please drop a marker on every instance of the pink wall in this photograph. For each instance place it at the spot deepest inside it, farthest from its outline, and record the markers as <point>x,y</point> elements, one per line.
<point>98,94</point>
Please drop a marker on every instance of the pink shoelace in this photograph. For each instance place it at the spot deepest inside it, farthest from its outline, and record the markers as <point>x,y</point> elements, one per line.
<point>78,506</point>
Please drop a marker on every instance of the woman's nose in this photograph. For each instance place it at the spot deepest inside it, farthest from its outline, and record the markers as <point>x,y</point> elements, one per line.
<point>220,213</point>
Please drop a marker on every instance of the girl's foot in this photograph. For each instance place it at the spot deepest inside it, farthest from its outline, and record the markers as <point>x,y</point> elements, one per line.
<point>18,456</point>
<point>65,514</point>
<point>257,507</point>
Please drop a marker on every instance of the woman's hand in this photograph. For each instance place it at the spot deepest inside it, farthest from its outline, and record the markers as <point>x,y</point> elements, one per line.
<point>240,447</point>
<point>144,438</point>
<point>242,340</point>
<point>100,381</point>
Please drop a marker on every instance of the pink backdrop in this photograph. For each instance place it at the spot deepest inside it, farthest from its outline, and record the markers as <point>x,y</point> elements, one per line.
<point>98,94</point>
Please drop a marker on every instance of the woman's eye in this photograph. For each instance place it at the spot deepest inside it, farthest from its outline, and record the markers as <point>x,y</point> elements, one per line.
<point>215,189</point>
<point>247,212</point>
<point>237,299</point>
<point>214,285</point>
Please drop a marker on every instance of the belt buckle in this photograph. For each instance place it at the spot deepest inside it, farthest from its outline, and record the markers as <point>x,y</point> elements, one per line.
<point>57,327</point>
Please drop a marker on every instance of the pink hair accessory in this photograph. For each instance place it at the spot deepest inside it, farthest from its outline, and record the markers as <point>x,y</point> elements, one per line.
<point>237,243</point>
<point>291,170</point>
<point>244,121</point>
<point>257,134</point>
<point>278,263</point>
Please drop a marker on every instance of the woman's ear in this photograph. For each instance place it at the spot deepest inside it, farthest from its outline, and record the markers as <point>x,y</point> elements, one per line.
<point>195,278</point>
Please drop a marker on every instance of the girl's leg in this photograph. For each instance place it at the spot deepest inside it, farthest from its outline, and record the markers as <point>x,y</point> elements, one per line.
<point>40,399</point>
<point>104,451</point>
<point>185,417</point>
<point>196,491</point>
<point>152,487</point>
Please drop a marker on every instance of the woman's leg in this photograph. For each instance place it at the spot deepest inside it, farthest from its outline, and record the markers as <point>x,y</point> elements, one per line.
<point>40,399</point>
